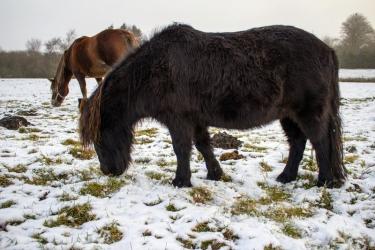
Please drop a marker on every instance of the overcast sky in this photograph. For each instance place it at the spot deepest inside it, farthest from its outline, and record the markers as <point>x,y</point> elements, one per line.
<point>21,20</point>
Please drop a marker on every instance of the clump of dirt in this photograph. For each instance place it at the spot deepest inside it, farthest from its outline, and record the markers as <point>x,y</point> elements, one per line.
<point>14,122</point>
<point>225,141</point>
<point>234,155</point>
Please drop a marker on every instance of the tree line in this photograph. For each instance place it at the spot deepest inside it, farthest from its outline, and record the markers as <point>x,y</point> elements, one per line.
<point>355,49</point>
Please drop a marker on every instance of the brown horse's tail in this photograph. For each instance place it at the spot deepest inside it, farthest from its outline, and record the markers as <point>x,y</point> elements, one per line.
<point>335,128</point>
<point>89,123</point>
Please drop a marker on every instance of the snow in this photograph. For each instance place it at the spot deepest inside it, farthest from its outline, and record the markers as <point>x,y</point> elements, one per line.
<point>349,224</point>
<point>357,73</point>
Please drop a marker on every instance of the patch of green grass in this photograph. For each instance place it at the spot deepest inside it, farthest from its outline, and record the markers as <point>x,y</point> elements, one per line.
<point>172,208</point>
<point>245,206</point>
<point>81,153</point>
<point>20,168</point>
<point>213,244</point>
<point>5,181</point>
<point>325,200</point>
<point>274,194</point>
<point>308,180</point>
<point>45,176</point>
<point>67,197</point>
<point>271,247</point>
<point>226,178</point>
<point>158,176</point>
<point>141,141</point>
<point>39,238</point>
<point>202,227</point>
<point>72,216</point>
<point>15,222</point>
<point>102,190</point>
<point>283,214</point>
<point>24,130</point>
<point>200,194</point>
<point>49,161</point>
<point>153,203</point>
<point>32,137</point>
<point>253,148</point>
<point>29,216</point>
<point>146,233</point>
<point>32,151</point>
<point>186,243</point>
<point>351,158</point>
<point>110,233</point>
<point>7,204</point>
<point>163,163</point>
<point>144,160</point>
<point>151,132</point>
<point>229,234</point>
<point>309,164</point>
<point>89,174</point>
<point>265,167</point>
<point>71,142</point>
<point>354,138</point>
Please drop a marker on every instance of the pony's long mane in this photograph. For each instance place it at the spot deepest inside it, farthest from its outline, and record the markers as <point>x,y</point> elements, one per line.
<point>89,123</point>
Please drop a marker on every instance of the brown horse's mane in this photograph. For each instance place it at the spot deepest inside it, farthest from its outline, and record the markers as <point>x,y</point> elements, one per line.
<point>59,76</point>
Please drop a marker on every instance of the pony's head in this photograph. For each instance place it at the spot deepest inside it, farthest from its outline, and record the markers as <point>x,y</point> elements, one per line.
<point>101,126</point>
<point>59,84</point>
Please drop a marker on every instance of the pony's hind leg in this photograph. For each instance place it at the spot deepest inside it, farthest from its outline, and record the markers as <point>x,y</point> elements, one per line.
<point>297,143</point>
<point>317,132</point>
<point>203,145</point>
<point>182,135</point>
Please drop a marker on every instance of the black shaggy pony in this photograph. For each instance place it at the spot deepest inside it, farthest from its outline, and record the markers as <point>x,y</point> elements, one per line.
<point>189,80</point>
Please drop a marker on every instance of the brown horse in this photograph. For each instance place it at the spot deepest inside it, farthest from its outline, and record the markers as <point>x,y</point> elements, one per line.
<point>90,57</point>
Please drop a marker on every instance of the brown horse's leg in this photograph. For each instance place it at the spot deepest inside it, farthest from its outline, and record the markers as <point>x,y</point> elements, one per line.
<point>82,84</point>
<point>297,143</point>
<point>203,144</point>
<point>182,134</point>
<point>98,80</point>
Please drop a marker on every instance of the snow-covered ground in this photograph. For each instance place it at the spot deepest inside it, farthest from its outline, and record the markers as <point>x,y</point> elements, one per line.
<point>41,173</point>
<point>357,73</point>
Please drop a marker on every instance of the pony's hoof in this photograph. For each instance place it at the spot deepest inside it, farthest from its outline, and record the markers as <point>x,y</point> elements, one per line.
<point>177,182</point>
<point>215,175</point>
<point>284,178</point>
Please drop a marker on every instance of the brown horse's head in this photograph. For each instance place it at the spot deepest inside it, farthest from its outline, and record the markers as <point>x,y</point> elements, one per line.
<point>59,84</point>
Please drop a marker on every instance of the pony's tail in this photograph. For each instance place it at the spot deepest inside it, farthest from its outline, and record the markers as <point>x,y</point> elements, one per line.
<point>335,127</point>
<point>89,123</point>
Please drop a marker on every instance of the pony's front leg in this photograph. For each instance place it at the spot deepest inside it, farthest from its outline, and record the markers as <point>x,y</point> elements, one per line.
<point>182,141</point>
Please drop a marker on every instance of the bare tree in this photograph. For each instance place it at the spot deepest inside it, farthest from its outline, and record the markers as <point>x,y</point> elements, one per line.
<point>53,45</point>
<point>136,31</point>
<point>331,41</point>
<point>33,45</point>
<point>70,36</point>
<point>356,33</point>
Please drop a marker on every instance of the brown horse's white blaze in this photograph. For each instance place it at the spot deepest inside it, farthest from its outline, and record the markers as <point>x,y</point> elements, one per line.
<point>90,57</point>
